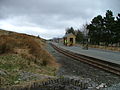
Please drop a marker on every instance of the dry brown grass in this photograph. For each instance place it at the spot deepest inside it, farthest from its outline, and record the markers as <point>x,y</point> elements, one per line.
<point>23,53</point>
<point>27,46</point>
<point>112,48</point>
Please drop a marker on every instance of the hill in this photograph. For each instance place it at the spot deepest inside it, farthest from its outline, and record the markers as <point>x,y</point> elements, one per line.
<point>23,58</point>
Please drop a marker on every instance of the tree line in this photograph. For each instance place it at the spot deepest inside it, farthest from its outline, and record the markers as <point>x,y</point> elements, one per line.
<point>105,30</point>
<point>101,31</point>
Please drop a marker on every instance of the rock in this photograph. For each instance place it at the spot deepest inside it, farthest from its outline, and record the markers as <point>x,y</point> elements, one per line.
<point>102,85</point>
<point>16,82</point>
<point>19,79</point>
<point>2,72</point>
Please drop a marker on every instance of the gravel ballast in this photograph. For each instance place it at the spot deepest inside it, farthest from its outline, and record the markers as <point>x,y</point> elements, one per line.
<point>76,69</point>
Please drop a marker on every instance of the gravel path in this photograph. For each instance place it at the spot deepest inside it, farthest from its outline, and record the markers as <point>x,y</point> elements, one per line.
<point>73,68</point>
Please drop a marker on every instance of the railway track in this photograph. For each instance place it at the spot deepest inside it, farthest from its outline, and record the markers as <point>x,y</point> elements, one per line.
<point>105,65</point>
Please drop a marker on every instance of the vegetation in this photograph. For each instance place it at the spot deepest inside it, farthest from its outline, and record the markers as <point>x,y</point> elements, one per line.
<point>77,33</point>
<point>70,30</point>
<point>105,30</point>
<point>79,36</point>
<point>23,53</point>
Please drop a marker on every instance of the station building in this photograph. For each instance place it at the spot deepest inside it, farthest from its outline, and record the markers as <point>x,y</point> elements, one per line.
<point>69,39</point>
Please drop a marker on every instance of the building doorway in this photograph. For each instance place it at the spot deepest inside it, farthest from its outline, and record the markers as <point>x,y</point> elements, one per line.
<point>71,41</point>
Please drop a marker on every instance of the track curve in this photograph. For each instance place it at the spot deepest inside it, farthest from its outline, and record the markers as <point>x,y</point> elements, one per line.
<point>105,65</point>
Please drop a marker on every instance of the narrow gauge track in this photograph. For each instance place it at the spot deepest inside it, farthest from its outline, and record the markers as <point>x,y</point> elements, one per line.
<point>105,65</point>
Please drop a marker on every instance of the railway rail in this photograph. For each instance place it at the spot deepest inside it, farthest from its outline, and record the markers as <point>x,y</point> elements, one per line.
<point>105,65</point>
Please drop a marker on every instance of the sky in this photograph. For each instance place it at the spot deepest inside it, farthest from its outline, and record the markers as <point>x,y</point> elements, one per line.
<point>50,18</point>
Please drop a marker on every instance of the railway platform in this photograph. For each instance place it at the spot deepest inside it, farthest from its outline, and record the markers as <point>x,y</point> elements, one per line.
<point>105,55</point>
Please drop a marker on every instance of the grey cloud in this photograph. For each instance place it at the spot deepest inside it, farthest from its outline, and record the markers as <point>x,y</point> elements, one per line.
<point>70,8</point>
<point>54,14</point>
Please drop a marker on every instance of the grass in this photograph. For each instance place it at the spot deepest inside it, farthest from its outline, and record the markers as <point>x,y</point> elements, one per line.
<point>13,65</point>
<point>112,48</point>
<point>28,47</point>
<point>21,52</point>
<point>105,47</point>
<point>10,64</point>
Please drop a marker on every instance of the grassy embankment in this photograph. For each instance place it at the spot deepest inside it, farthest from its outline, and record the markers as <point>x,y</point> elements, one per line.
<point>23,53</point>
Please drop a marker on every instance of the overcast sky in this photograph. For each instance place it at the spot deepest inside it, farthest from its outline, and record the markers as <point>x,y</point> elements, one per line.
<point>49,18</point>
